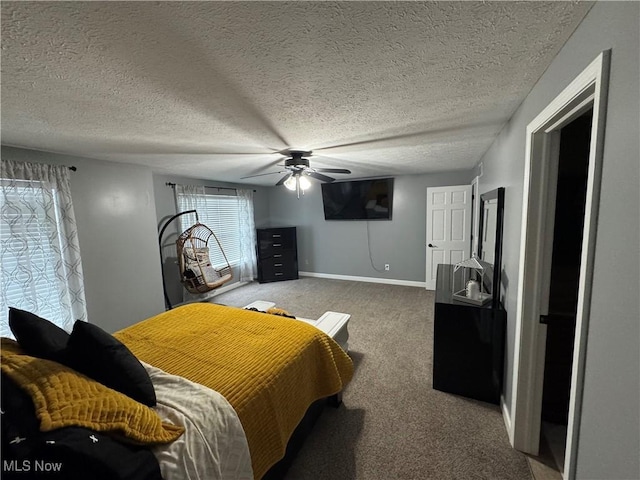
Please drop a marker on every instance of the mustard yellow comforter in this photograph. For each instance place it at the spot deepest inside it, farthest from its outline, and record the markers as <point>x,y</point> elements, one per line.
<point>63,398</point>
<point>269,368</point>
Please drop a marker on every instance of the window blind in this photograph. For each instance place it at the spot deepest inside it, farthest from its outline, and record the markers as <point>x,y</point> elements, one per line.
<point>221,214</point>
<point>27,240</point>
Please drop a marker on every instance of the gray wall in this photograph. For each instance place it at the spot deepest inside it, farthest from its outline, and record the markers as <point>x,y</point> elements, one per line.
<point>166,207</point>
<point>609,430</point>
<point>115,214</point>
<point>341,247</point>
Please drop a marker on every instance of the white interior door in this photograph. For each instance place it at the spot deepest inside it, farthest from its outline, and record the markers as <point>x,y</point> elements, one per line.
<point>448,228</point>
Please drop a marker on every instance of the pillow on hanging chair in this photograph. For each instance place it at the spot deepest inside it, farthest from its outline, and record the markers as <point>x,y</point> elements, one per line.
<point>37,336</point>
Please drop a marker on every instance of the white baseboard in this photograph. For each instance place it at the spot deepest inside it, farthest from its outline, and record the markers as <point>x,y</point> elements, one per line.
<point>506,416</point>
<point>353,278</point>
<point>226,288</point>
<point>214,293</point>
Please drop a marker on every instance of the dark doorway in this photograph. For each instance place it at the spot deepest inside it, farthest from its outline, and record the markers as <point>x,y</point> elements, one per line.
<point>563,290</point>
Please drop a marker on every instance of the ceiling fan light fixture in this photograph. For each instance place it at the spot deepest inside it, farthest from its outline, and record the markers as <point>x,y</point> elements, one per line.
<point>290,182</point>
<point>297,181</point>
<point>304,182</point>
<point>298,172</point>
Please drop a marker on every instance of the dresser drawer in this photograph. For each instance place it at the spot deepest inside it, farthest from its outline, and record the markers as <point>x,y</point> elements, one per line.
<point>278,258</point>
<point>269,271</point>
<point>278,240</point>
<point>266,248</point>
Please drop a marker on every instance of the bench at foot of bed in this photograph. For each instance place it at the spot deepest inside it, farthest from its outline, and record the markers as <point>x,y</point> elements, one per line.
<point>333,324</point>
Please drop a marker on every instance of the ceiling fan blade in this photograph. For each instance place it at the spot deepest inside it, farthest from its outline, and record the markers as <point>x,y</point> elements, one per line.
<point>260,175</point>
<point>283,179</point>
<point>332,170</point>
<point>319,176</point>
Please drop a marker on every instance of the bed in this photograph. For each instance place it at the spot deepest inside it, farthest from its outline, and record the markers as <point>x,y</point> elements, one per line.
<point>231,386</point>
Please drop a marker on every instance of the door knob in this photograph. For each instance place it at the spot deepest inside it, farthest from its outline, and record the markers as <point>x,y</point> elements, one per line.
<point>431,246</point>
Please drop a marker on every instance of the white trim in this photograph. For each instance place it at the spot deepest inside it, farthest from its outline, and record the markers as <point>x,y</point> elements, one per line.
<point>587,262</point>
<point>216,292</point>
<point>506,416</point>
<point>475,205</point>
<point>226,288</point>
<point>575,112</point>
<point>353,278</point>
<point>590,87</point>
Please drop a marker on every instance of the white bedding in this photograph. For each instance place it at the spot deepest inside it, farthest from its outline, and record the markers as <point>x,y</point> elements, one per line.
<point>213,446</point>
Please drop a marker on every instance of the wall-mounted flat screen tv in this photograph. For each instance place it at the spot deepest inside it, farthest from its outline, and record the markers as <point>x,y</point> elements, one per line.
<point>358,199</point>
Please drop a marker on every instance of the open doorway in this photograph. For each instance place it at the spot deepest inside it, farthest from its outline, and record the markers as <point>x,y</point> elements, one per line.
<point>587,92</point>
<point>571,191</point>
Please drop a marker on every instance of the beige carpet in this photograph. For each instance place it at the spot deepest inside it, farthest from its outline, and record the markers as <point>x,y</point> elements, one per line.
<point>392,424</point>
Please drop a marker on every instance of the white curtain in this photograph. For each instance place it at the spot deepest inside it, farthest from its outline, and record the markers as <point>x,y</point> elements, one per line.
<point>248,267</point>
<point>40,253</point>
<point>192,197</point>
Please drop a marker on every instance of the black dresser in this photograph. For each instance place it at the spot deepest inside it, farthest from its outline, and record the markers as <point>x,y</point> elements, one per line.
<point>468,344</point>
<point>277,254</point>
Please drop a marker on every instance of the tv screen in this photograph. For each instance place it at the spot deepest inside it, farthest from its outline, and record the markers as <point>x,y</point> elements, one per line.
<point>358,199</point>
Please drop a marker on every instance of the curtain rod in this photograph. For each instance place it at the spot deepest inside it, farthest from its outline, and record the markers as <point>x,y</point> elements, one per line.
<point>172,185</point>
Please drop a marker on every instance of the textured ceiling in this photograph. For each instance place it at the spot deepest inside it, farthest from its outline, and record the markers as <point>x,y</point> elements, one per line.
<point>215,89</point>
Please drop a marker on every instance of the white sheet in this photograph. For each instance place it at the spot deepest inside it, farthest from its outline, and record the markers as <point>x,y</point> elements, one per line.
<point>213,446</point>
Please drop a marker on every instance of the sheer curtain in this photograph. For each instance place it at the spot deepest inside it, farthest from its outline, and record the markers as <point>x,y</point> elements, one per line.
<point>248,267</point>
<point>190,197</point>
<point>39,250</point>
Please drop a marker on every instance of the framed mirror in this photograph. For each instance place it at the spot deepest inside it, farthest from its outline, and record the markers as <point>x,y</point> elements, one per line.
<point>490,239</point>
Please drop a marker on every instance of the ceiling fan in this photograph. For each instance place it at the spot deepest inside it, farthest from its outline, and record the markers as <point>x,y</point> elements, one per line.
<point>297,170</point>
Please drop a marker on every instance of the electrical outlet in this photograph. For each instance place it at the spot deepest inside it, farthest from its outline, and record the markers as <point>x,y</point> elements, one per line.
<point>386,267</point>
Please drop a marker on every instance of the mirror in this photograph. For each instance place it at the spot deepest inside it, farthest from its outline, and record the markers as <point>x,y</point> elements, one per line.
<point>490,240</point>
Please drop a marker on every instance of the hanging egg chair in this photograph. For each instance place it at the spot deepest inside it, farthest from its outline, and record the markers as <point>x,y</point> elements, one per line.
<point>197,273</point>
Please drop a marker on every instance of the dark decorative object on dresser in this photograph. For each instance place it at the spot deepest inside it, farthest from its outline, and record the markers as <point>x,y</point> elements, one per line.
<point>277,254</point>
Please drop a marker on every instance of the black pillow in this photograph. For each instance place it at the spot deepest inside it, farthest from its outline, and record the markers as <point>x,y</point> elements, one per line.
<point>99,355</point>
<point>38,337</point>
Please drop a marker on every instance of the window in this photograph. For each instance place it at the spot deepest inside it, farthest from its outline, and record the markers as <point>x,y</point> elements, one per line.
<point>28,262</point>
<point>39,251</point>
<point>221,213</point>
